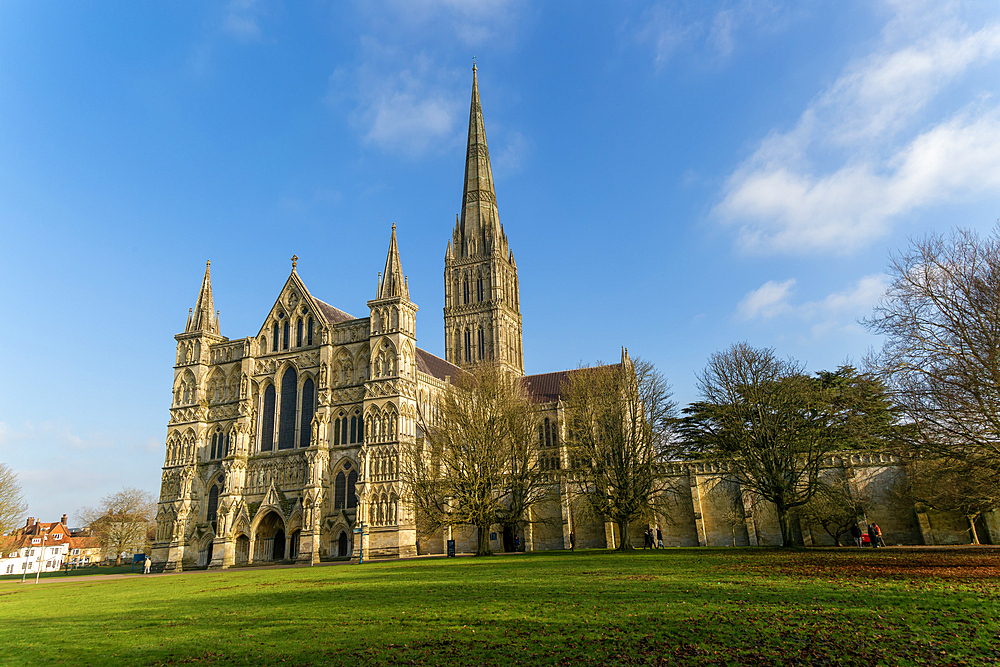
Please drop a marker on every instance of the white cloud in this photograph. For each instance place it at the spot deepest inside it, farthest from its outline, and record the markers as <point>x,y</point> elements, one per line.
<point>513,150</point>
<point>412,108</point>
<point>406,93</point>
<point>766,301</point>
<point>242,19</point>
<point>884,156</point>
<point>838,311</point>
<point>471,22</point>
<point>715,29</point>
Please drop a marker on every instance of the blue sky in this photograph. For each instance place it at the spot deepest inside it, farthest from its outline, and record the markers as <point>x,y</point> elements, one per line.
<point>672,176</point>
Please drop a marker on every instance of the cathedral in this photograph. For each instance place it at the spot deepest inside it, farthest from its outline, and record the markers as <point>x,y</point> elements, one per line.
<point>284,446</point>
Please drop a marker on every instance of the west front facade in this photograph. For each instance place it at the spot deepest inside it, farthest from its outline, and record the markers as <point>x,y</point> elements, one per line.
<point>284,446</point>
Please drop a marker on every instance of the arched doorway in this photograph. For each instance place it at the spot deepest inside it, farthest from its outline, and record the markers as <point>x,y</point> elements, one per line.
<point>279,545</point>
<point>269,543</point>
<point>242,549</point>
<point>293,545</point>
<point>342,545</point>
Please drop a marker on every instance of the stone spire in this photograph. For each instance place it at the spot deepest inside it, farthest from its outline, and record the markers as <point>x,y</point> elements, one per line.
<point>478,229</point>
<point>392,283</point>
<point>204,319</point>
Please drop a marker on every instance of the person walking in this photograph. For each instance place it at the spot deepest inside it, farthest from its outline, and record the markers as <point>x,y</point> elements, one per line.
<point>856,533</point>
<point>572,541</point>
<point>146,565</point>
<point>878,536</point>
<point>645,538</point>
<point>872,536</point>
<point>659,538</point>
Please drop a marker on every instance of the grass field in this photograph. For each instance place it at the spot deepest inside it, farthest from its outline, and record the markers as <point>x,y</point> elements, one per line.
<point>78,572</point>
<point>679,606</point>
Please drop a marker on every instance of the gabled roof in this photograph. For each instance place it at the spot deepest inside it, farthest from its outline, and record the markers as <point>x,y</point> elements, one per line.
<point>436,366</point>
<point>332,313</point>
<point>549,387</point>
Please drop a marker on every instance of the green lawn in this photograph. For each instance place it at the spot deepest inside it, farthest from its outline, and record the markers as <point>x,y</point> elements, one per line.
<point>78,572</point>
<point>678,606</point>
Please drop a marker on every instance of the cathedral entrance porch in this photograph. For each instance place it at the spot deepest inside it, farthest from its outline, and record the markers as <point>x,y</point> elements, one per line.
<point>271,543</point>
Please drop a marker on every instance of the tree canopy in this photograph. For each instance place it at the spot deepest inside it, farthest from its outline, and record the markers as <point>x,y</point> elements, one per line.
<point>774,427</point>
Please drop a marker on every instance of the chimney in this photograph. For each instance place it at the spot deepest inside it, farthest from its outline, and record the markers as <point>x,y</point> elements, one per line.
<point>63,520</point>
<point>30,523</point>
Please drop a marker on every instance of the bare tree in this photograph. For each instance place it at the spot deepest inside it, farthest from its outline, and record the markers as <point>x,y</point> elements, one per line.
<point>12,505</point>
<point>774,426</point>
<point>960,486</point>
<point>619,426</point>
<point>120,521</point>
<point>475,464</point>
<point>837,505</point>
<point>941,321</point>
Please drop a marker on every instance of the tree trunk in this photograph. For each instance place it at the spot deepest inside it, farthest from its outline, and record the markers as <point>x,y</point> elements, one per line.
<point>972,528</point>
<point>624,544</point>
<point>784,520</point>
<point>483,541</point>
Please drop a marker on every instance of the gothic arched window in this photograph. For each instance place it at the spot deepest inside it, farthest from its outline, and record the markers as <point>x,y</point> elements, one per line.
<point>339,491</point>
<point>354,429</point>
<point>284,333</point>
<point>336,432</point>
<point>267,420</point>
<point>468,345</point>
<point>213,503</point>
<point>298,333</point>
<point>465,288</point>
<point>286,416</point>
<point>482,345</point>
<point>308,405</point>
<point>309,335</point>
<point>352,482</point>
<point>274,337</point>
<point>479,288</point>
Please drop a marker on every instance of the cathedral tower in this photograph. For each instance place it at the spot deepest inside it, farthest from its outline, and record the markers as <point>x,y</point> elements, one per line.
<point>482,315</point>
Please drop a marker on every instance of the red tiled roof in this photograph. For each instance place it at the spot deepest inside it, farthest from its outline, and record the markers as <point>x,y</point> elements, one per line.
<point>436,366</point>
<point>548,387</point>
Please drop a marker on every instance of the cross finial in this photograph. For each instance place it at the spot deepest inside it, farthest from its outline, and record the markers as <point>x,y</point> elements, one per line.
<point>473,63</point>
<point>295,261</point>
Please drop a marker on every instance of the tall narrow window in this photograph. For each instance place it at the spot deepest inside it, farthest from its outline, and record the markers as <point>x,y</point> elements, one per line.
<point>213,503</point>
<point>479,288</point>
<point>309,338</point>
<point>339,491</point>
<point>352,482</point>
<point>465,287</point>
<point>343,435</point>
<point>354,429</point>
<point>482,345</point>
<point>225,449</point>
<point>286,416</point>
<point>274,337</point>
<point>284,332</point>
<point>468,345</point>
<point>267,420</point>
<point>215,440</point>
<point>308,405</point>
<point>548,436</point>
<point>336,432</point>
